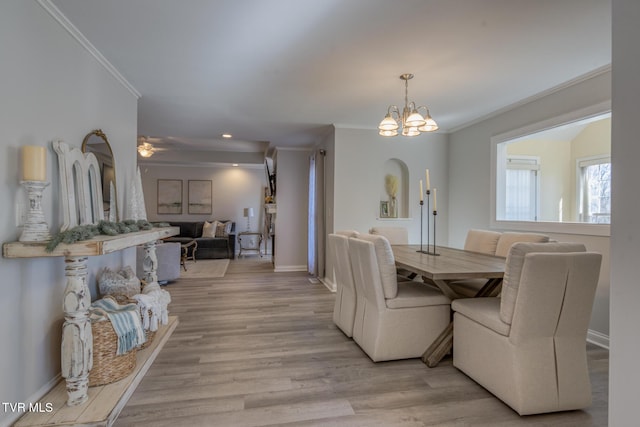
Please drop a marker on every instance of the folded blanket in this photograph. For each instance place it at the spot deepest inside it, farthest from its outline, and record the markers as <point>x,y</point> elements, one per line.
<point>125,320</point>
<point>153,307</point>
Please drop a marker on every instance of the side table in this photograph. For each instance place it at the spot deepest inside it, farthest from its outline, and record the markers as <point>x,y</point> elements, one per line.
<point>250,241</point>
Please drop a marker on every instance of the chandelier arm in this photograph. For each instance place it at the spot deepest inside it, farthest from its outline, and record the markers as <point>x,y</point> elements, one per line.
<point>394,112</point>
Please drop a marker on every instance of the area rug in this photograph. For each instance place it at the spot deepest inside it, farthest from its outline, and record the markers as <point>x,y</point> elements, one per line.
<point>205,269</point>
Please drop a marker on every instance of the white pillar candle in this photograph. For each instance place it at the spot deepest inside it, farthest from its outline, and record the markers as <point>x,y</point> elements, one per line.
<point>421,198</point>
<point>428,182</point>
<point>435,206</point>
<point>34,163</point>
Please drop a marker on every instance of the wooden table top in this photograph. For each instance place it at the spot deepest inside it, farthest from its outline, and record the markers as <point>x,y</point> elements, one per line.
<point>452,264</point>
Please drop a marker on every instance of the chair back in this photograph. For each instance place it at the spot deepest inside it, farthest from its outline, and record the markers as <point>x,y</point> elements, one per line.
<point>514,268</point>
<point>556,295</point>
<point>347,233</point>
<point>386,264</point>
<point>366,273</point>
<point>507,239</point>
<point>483,241</point>
<point>339,248</point>
<point>395,235</point>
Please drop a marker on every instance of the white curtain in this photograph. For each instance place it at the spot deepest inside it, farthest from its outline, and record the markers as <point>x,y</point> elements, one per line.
<point>316,238</point>
<point>520,197</point>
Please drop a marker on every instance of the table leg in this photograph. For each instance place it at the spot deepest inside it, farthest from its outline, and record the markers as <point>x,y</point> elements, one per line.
<point>77,339</point>
<point>150,263</point>
<point>439,348</point>
<point>444,342</point>
<point>490,288</point>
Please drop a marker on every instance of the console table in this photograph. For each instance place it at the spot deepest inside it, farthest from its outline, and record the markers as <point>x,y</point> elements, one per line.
<point>77,340</point>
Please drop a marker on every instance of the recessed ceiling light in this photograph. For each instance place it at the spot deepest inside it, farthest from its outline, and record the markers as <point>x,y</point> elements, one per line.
<point>227,135</point>
<point>235,165</point>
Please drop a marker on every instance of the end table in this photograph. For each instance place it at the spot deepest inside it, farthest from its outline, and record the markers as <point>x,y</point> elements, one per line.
<point>248,242</point>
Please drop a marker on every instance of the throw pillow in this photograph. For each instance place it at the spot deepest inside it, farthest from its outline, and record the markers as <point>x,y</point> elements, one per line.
<point>227,227</point>
<point>209,229</point>
<point>221,229</point>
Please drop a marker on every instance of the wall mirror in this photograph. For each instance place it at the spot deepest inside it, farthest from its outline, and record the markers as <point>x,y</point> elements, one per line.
<point>96,142</point>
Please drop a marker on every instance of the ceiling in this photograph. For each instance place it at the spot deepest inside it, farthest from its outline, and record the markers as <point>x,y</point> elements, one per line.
<point>281,72</point>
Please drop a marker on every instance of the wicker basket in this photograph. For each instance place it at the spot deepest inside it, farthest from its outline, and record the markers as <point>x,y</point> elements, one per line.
<point>149,335</point>
<point>108,367</point>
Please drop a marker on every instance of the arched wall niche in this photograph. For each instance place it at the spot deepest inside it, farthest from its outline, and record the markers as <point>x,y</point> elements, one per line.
<point>399,169</point>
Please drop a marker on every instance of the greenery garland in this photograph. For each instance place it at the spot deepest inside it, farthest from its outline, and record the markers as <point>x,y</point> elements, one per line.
<point>88,231</point>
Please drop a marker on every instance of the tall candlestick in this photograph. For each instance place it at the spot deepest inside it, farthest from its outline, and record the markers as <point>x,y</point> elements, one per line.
<point>435,206</point>
<point>421,196</point>
<point>34,163</point>
<point>428,182</point>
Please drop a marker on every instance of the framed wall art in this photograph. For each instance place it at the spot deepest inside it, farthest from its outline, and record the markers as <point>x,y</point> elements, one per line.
<point>384,209</point>
<point>200,197</point>
<point>169,196</point>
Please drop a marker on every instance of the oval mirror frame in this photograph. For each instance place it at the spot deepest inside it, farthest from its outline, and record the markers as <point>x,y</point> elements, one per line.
<point>96,142</point>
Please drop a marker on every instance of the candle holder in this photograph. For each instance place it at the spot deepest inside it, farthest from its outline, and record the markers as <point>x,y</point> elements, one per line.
<point>35,227</point>
<point>435,215</point>
<point>428,192</point>
<point>421,215</point>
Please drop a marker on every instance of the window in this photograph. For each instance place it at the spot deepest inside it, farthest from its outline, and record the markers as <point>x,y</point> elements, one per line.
<point>594,178</point>
<point>521,193</point>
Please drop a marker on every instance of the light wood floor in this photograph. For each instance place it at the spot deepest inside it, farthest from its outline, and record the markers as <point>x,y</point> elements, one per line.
<point>258,348</point>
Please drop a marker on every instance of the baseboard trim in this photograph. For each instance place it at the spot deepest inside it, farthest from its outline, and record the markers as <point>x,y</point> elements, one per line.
<point>329,284</point>
<point>597,338</point>
<point>289,268</point>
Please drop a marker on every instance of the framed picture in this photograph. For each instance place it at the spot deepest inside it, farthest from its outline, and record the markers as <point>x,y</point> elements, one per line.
<point>200,197</point>
<point>384,209</point>
<point>169,196</point>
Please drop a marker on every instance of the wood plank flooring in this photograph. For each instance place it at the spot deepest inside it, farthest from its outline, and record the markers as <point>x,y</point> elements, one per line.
<point>258,348</point>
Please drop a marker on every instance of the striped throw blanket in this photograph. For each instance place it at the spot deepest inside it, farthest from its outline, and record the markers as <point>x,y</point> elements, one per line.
<point>125,320</point>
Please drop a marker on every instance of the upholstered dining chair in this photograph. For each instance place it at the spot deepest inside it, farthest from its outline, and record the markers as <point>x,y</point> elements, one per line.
<point>395,236</point>
<point>344,309</point>
<point>508,238</point>
<point>491,243</point>
<point>393,321</point>
<point>528,347</point>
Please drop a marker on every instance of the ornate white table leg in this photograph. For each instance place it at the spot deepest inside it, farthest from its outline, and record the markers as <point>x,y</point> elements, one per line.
<point>150,263</point>
<point>77,339</point>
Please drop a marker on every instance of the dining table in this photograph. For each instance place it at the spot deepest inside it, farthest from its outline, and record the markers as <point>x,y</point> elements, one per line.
<point>439,267</point>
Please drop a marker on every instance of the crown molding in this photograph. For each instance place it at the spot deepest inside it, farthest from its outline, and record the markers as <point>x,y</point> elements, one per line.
<point>595,73</point>
<point>53,10</point>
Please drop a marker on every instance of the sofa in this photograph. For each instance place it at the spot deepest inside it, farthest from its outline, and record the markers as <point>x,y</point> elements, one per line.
<point>207,247</point>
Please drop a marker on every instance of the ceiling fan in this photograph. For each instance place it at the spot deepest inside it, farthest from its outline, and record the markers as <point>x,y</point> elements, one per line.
<point>146,148</point>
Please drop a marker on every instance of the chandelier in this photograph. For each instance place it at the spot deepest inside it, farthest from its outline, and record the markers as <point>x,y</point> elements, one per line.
<point>145,149</point>
<point>410,122</point>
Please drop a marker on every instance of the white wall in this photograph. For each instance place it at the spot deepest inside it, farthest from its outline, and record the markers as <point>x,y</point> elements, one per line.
<point>292,200</point>
<point>624,375</point>
<point>469,172</point>
<point>233,189</point>
<point>51,88</point>
<point>360,157</point>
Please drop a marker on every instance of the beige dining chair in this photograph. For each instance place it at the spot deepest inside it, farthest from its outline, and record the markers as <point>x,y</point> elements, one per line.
<point>344,309</point>
<point>393,321</point>
<point>490,243</point>
<point>395,236</point>
<point>528,347</point>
